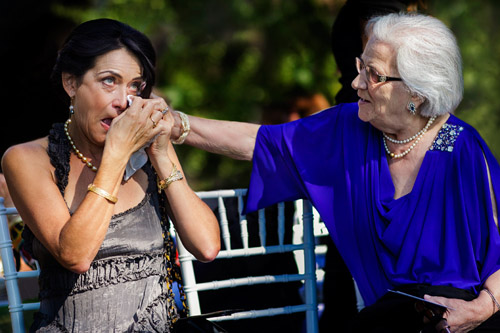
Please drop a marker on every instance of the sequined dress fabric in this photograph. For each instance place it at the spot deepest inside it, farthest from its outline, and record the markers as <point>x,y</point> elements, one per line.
<point>125,288</point>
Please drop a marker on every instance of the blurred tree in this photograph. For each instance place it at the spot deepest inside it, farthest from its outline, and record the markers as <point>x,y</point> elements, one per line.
<point>228,59</point>
<point>477,28</point>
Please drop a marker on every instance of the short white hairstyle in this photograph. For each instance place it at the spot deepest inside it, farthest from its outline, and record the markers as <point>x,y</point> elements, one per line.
<point>427,57</point>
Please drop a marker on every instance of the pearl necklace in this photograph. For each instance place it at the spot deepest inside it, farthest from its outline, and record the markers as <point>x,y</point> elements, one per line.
<point>77,152</point>
<point>417,137</point>
<point>423,130</point>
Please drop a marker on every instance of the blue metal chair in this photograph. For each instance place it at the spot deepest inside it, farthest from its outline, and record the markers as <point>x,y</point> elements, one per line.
<point>11,275</point>
<point>310,306</point>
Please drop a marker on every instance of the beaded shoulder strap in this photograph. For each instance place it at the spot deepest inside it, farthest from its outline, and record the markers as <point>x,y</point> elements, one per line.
<point>173,270</point>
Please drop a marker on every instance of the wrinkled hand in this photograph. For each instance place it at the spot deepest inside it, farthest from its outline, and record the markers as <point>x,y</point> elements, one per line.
<point>160,145</point>
<point>465,316</point>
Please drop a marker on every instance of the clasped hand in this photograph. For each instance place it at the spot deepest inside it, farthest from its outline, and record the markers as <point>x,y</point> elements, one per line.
<point>463,316</point>
<point>144,122</point>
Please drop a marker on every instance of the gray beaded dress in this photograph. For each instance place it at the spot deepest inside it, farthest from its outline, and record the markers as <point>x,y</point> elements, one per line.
<point>125,289</point>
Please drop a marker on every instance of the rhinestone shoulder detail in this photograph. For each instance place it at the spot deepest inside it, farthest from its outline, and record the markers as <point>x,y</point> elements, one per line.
<point>446,138</point>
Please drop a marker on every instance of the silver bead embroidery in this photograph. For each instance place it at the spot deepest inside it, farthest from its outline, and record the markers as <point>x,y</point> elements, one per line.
<point>446,138</point>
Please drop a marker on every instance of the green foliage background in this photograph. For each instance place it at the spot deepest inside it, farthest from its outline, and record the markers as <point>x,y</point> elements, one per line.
<point>228,59</point>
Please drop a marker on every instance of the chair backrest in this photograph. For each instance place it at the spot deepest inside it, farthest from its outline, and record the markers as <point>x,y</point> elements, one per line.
<point>307,275</point>
<point>11,275</point>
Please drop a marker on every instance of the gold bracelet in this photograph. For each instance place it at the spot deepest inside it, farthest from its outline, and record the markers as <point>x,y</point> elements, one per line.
<point>99,191</point>
<point>185,128</point>
<point>164,183</point>
<point>493,299</point>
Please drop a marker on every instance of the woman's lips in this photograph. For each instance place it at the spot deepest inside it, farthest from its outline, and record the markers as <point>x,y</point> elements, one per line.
<point>363,101</point>
<point>107,122</point>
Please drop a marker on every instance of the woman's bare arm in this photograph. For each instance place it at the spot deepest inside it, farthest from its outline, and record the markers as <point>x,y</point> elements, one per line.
<point>194,221</point>
<point>73,240</point>
<point>229,138</point>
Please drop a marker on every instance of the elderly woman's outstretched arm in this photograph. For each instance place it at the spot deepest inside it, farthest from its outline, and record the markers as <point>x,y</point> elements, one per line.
<point>229,138</point>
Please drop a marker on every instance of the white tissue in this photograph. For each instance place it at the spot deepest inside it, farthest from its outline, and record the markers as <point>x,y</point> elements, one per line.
<point>137,160</point>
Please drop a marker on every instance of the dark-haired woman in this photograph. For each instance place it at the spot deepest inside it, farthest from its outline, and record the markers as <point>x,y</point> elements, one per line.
<point>95,202</point>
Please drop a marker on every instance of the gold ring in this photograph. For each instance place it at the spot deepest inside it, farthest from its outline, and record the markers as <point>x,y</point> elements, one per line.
<point>154,122</point>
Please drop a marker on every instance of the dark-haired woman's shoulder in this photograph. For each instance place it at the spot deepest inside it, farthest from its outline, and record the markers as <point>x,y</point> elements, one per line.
<point>26,153</point>
<point>26,163</point>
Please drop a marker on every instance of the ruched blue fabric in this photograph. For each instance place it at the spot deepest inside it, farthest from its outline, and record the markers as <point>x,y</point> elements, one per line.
<point>441,233</point>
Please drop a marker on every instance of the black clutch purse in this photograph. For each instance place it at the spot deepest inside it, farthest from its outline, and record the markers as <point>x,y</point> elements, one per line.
<point>200,323</point>
<point>197,325</point>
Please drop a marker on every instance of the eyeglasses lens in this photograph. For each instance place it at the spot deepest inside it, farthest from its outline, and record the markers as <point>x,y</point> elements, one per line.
<point>370,75</point>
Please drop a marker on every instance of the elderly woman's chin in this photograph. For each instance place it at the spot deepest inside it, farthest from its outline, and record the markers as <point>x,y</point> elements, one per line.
<point>365,110</point>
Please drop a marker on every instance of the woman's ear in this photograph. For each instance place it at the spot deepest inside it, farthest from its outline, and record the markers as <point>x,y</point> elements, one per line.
<point>417,100</point>
<point>69,84</point>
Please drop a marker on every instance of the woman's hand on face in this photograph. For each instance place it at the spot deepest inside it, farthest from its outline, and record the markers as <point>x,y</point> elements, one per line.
<point>137,125</point>
<point>160,145</point>
<point>463,316</point>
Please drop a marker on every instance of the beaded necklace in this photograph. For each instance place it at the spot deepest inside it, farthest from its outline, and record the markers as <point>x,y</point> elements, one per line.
<point>417,137</point>
<point>77,152</point>
<point>410,139</point>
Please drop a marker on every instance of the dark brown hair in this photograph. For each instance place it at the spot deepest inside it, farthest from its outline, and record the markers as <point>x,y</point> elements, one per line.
<point>94,38</point>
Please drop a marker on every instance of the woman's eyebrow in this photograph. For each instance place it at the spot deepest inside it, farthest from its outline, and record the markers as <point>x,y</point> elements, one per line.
<point>108,71</point>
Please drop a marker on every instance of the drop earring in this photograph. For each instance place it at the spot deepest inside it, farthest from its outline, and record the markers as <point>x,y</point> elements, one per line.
<point>71,108</point>
<point>412,108</point>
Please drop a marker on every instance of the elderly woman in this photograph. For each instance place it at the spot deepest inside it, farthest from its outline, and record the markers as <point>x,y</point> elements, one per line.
<point>407,190</point>
<point>95,214</point>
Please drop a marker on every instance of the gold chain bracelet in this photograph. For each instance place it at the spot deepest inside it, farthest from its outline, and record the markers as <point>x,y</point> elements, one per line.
<point>174,175</point>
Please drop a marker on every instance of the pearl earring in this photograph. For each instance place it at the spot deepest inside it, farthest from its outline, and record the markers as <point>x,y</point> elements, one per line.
<point>71,108</point>
<point>412,108</point>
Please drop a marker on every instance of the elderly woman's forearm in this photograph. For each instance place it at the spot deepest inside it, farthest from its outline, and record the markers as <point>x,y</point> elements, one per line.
<point>228,138</point>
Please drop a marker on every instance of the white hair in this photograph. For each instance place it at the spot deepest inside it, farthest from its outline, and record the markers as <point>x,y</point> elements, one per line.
<point>427,56</point>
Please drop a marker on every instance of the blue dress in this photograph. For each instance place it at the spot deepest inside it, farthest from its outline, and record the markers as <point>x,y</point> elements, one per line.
<point>441,233</point>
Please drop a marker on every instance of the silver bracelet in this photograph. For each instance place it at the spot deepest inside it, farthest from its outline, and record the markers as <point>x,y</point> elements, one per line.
<point>185,128</point>
<point>495,302</point>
